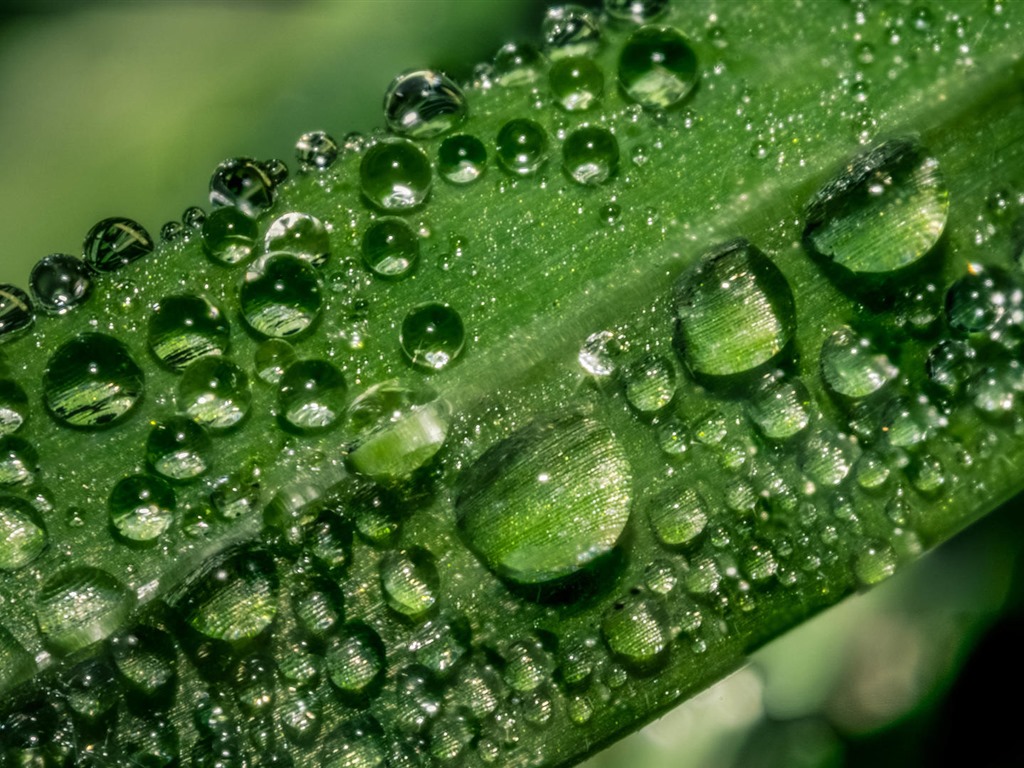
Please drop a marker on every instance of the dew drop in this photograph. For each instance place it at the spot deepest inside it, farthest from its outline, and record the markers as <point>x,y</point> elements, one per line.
<point>355,659</point>
<point>22,535</point>
<point>949,364</point>
<point>851,366</point>
<point>311,395</point>
<point>452,735</point>
<point>80,606</point>
<point>16,311</point>
<point>318,605</point>
<point>60,282</point>
<point>432,336</point>
<point>316,151</point>
<point>598,352</point>
<point>461,159</point>
<point>115,243</point>
<point>576,83</point>
<point>780,407</point>
<point>657,67</point>
<point>522,146</point>
<point>301,235</point>
<point>424,104</point>
<point>570,30</point>
<point>185,328</point>
<point>528,665</point>
<point>395,175</point>
<point>734,310</point>
<point>636,629</point>
<point>236,494</point>
<point>301,716</point>
<point>883,212</point>
<point>229,236</point>
<point>988,302</point>
<point>518,64</point>
<point>650,383</point>
<point>590,155</point>
<point>13,407</point>
<point>391,249</point>
<point>828,458</point>
<point>409,582</point>
<point>19,461</point>
<point>272,358</point>
<point>677,516</point>
<point>179,449</point>
<point>875,562</point>
<point>358,743</point>
<point>141,507</point>
<point>281,296</point>
<point>92,382</point>
<point>146,658</point>
<point>16,664</point>
<point>636,11</point>
<point>244,184</point>
<point>548,501</point>
<point>214,393</point>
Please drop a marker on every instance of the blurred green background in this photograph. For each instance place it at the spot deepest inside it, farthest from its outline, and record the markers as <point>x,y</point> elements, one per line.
<point>124,108</point>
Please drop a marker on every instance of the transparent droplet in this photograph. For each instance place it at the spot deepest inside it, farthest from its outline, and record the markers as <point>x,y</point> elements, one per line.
<point>949,364</point>
<point>301,235</point>
<point>19,462</point>
<point>828,458</point>
<point>657,67</point>
<point>179,449</point>
<point>424,104</point>
<point>518,64</point>
<point>146,657</point>
<point>734,310</point>
<point>232,597</point>
<point>461,159</point>
<point>316,151</point>
<point>13,407</point>
<point>780,407</point>
<point>522,146</point>
<point>115,243</point>
<point>872,472</point>
<point>391,249</point>
<point>989,302</point>
<point>883,212</point>
<point>570,30</point>
<point>272,358</point>
<point>16,311</point>
<point>636,629</point>
<point>318,605</point>
<point>759,562</point>
<point>281,296</point>
<point>528,665</point>
<point>80,606</point>
<point>357,743</point>
<point>60,283</point>
<point>396,430</point>
<point>650,383</point>
<point>244,184</point>
<point>16,664</point>
<point>172,231</point>
<point>409,582</point>
<point>597,354</point>
<point>214,393</point>
<point>355,659</point>
<point>677,516</point>
<point>22,535</point>
<point>229,236</point>
<point>590,155</point>
<point>576,83</point>
<point>141,507</point>
<point>996,389</point>
<point>452,735</point>
<point>92,382</point>
<point>875,562</point>
<point>636,11</point>
<point>851,366</point>
<point>547,501</point>
<point>184,328</point>
<point>395,175</point>
<point>432,335</point>
<point>311,395</point>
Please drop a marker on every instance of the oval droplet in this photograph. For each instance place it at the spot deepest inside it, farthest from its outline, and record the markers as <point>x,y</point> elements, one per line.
<point>410,582</point>
<point>115,243</point>
<point>22,534</point>
<point>395,175</point>
<point>243,183</point>
<point>141,507</point>
<point>677,516</point>
<point>522,147</point>
<point>570,30</point>
<point>518,64</point>
<point>272,358</point>
<point>636,629</point>
<point>301,235</point>
<point>576,83</point>
<point>316,151</point>
<point>590,155</point>
<point>60,282</point>
<point>851,366</point>
<point>780,407</point>
<point>185,328</point>
<point>179,449</point>
<point>311,395</point>
<point>355,659</point>
<point>391,249</point>
<point>432,336</point>
<point>13,406</point>
<point>650,383</point>
<point>636,11</point>
<point>146,657</point>
<point>214,393</point>
<point>461,159</point>
<point>424,104</point>
<point>79,606</point>
<point>657,67</point>
<point>16,311</point>
<point>229,236</point>
<point>281,296</point>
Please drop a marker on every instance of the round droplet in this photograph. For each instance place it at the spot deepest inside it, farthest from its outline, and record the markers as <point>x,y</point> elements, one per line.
<point>657,67</point>
<point>281,296</point>
<point>637,11</point>
<point>522,147</point>
<point>60,283</point>
<point>13,407</point>
<point>301,717</point>
<point>358,743</point>
<point>179,449</point>
<point>80,606</point>
<point>214,393</point>
<point>396,430</point>
<point>597,354</point>
<point>184,328</point>
<point>395,175</point>
<point>91,382</point>
<point>16,664</point>
<point>547,501</point>
<point>570,30</point>
<point>232,597</point>
<point>650,383</point>
<point>518,64</point>
<point>244,184</point>
<point>851,366</point>
<point>461,159</point>
<point>316,151</point>
<point>528,665</point>
<point>19,461</point>
<point>424,104</point>
<point>677,516</point>
<point>432,336</point>
<point>874,563</point>
<point>452,734</point>
<point>16,311</point>
<point>827,458</point>
<point>229,235</point>
<point>115,243</point>
<point>949,364</point>
<point>311,395</point>
<point>410,582</point>
<point>22,534</point>
<point>272,358</point>
<point>355,659</point>
<point>988,301</point>
<point>636,629</point>
<point>318,605</point>
<point>883,212</point>
<point>576,83</point>
<point>391,249</point>
<point>300,235</point>
<point>734,310</point>
<point>236,494</point>
<point>780,407</point>
<point>590,155</point>
<point>141,507</point>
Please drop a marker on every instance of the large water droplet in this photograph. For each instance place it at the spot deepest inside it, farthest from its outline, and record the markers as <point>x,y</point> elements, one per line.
<point>395,175</point>
<point>852,367</point>
<point>590,155</point>
<point>883,212</point>
<point>115,243</point>
<point>301,235</point>
<point>179,449</point>
<point>281,296</point>
<point>410,582</point>
<point>214,393</point>
<point>570,30</point>
<point>391,248</point>
<point>60,283</point>
<point>243,183</point>
<point>547,501</point>
<point>355,660</point>
<point>147,659</point>
<point>311,395</point>
<point>80,606</point>
<point>432,335</point>
<point>16,311</point>
<point>22,534</point>
<point>518,64</point>
<point>229,236</point>
<point>522,147</point>
<point>424,104</point>
<point>141,507</point>
<point>576,83</point>
<point>735,311</point>
<point>657,67</point>
<point>91,382</point>
<point>184,328</point>
<point>461,159</point>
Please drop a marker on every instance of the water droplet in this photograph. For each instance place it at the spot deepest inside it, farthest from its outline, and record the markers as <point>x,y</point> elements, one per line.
<point>185,328</point>
<point>396,430</point>
<point>851,366</point>
<point>995,390</point>
<point>301,716</point>
<point>311,395</point>
<point>636,629</point>
<point>254,683</point>
<point>115,243</point>
<point>827,458</point>
<point>232,597</point>
<point>355,660</point>
<point>236,494</point>
<point>734,310</point>
<point>660,577</point>
<point>927,475</point>
<point>60,282</point>
<point>13,407</point>
<point>461,159</point>
<point>780,407</point>
<point>318,605</point>
<point>147,659</point>
<point>243,183</point>
<point>22,535</point>
<point>874,563</point>
<point>19,461</point>
<point>281,296</point>
<point>16,311</point>
<point>528,665</point>
<point>452,734</point>
<point>522,147</point>
<point>229,236</point>
<point>883,212</point>
<point>677,516</point>
<point>272,358</point>
<point>329,541</point>
<point>300,235</point>
<point>141,507</point>
<point>590,155</point>
<point>179,449</point>
<point>577,83</point>
<point>91,382</point>
<point>391,249</point>
<point>988,301</point>
<point>424,104</point>
<point>597,354</point>
<point>570,30</point>
<point>636,11</point>
<point>548,501</point>
<point>395,175</point>
<point>171,231</point>
<point>650,383</point>
<point>16,664</point>
<point>441,644</point>
<point>657,67</point>
<point>214,393</point>
<point>518,64</point>
<point>80,606</point>
<point>872,472</point>
<point>432,335</point>
<point>949,364</point>
<point>409,582</point>
<point>759,562</point>
<point>316,151</point>
<point>90,690</point>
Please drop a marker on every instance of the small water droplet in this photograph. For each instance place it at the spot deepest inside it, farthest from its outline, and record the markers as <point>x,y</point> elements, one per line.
<point>522,147</point>
<point>141,507</point>
<point>432,336</point>
<point>597,354</point>
<point>852,367</point>
<point>281,296</point>
<point>461,159</point>
<point>410,582</point>
<point>391,249</point>
<point>987,302</point>
<point>828,457</point>
<point>179,449</point>
<point>13,407</point>
<point>518,64</point>
<point>636,629</point>
<point>875,562</point>
<point>272,358</point>
<point>316,151</point>
<point>185,328</point>
<point>80,606</point>
<point>115,243</point>
<point>650,383</point>
<point>60,282</point>
<point>311,395</point>
<point>576,83</point>
<point>780,407</point>
<point>590,155</point>
<point>657,67</point>
<point>424,104</point>
<point>570,30</point>
<point>677,516</point>
<point>22,535</point>
<point>636,11</point>
<point>395,175</point>
<point>19,462</point>
<point>301,235</point>
<point>243,183</point>
<point>229,235</point>
<point>214,393</point>
<point>355,660</point>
